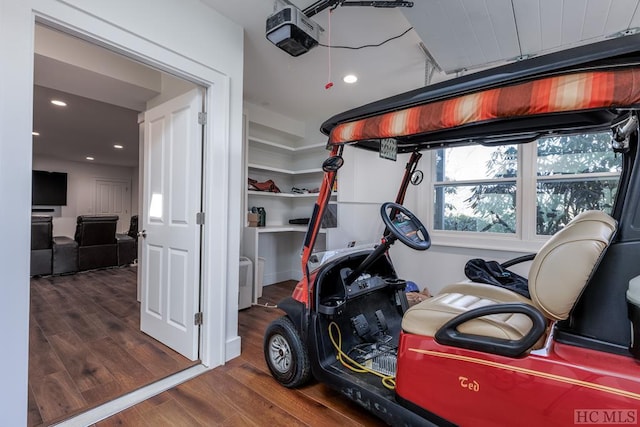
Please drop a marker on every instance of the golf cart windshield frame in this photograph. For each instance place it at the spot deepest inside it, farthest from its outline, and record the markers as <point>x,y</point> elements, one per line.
<point>586,88</point>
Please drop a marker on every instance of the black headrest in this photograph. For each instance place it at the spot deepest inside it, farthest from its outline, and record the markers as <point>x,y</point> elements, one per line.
<point>41,218</point>
<point>97,218</point>
<point>96,230</point>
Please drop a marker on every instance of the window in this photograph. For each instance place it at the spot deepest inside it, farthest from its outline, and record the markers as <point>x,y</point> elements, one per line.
<point>574,173</point>
<point>475,188</point>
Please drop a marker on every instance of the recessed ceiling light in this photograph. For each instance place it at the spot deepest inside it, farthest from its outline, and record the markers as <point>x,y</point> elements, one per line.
<point>89,158</point>
<point>118,146</point>
<point>34,133</point>
<point>58,103</point>
<point>350,78</point>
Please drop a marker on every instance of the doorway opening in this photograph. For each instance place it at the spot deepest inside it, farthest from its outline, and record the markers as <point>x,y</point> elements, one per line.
<point>86,346</point>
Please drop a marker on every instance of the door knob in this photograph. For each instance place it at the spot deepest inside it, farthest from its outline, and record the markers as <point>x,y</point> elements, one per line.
<point>142,234</point>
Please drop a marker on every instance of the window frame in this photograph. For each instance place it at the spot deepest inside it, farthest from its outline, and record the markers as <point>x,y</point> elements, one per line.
<point>525,239</point>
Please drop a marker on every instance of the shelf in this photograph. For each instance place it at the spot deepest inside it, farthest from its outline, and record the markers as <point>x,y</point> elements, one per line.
<point>282,229</point>
<point>321,145</point>
<point>283,171</point>
<point>286,148</point>
<point>286,195</point>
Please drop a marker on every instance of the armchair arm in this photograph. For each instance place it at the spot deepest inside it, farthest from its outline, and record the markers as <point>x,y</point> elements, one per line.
<point>518,260</point>
<point>448,334</point>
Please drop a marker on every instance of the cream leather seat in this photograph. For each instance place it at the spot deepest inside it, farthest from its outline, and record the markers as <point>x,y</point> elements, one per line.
<point>558,274</point>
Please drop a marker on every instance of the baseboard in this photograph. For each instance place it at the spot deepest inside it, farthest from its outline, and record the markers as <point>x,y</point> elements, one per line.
<point>233,348</point>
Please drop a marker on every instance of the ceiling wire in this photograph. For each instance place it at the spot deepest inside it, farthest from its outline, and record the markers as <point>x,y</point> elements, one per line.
<point>515,23</point>
<point>368,45</point>
<point>329,82</point>
<point>632,15</point>
<point>430,64</point>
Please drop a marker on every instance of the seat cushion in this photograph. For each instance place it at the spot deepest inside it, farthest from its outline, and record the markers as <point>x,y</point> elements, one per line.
<point>483,290</point>
<point>429,316</point>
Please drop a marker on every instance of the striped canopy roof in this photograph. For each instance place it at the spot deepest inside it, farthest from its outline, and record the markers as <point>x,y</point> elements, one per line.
<point>578,91</point>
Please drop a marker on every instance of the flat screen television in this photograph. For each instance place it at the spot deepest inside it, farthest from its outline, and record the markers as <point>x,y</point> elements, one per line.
<point>48,188</point>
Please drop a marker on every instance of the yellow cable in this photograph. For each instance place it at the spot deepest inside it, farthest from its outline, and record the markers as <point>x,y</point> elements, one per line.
<point>388,381</point>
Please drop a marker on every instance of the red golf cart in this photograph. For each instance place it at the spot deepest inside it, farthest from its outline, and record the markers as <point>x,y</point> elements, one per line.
<point>477,354</point>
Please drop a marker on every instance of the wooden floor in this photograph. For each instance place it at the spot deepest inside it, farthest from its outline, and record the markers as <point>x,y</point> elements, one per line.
<point>85,344</point>
<point>243,393</point>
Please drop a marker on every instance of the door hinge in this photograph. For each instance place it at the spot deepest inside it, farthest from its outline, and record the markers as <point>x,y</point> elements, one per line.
<point>202,118</point>
<point>197,319</point>
<point>200,218</point>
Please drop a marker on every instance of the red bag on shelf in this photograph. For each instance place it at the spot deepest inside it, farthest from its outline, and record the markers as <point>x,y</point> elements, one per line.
<point>263,186</point>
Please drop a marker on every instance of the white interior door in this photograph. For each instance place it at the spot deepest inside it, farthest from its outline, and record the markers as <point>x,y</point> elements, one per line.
<point>171,247</point>
<point>114,198</point>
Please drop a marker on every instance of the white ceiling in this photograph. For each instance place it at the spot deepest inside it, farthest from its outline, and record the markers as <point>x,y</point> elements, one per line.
<point>467,34</point>
<point>460,35</point>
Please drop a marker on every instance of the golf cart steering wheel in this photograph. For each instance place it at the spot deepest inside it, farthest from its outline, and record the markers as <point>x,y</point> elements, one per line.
<point>405,226</point>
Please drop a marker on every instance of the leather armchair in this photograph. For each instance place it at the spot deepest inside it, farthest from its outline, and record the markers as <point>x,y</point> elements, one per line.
<point>96,237</point>
<point>128,243</point>
<point>133,227</point>
<point>41,245</point>
<point>65,255</point>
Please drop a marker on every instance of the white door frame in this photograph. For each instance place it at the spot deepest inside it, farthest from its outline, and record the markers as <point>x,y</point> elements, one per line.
<point>215,346</point>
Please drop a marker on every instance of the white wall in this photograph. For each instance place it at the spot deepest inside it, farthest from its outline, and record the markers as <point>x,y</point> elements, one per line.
<point>171,87</point>
<point>81,179</point>
<point>183,36</point>
<point>364,183</point>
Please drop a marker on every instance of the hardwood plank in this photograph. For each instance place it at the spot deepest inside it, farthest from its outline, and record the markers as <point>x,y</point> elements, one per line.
<point>38,342</point>
<point>153,402</point>
<point>128,417</point>
<point>44,363</point>
<point>124,367</point>
<point>158,361</point>
<point>307,410</point>
<point>51,323</point>
<point>56,396</point>
<point>197,401</point>
<point>84,324</point>
<point>171,413</point>
<point>338,402</point>
<point>37,302</point>
<point>33,415</point>
<point>119,331</point>
<point>103,393</point>
<point>93,320</point>
<point>242,392</point>
<point>238,420</point>
<point>84,368</point>
<point>254,406</point>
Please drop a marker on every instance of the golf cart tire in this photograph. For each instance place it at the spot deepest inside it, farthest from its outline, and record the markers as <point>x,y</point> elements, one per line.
<point>286,354</point>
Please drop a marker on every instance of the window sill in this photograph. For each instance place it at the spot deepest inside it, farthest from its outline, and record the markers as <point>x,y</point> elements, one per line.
<point>486,241</point>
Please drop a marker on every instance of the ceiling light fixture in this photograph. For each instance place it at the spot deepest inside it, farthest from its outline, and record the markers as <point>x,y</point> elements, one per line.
<point>34,133</point>
<point>350,78</point>
<point>89,158</point>
<point>118,146</point>
<point>58,103</point>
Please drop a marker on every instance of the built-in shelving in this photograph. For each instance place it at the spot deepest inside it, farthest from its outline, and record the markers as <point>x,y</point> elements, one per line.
<point>273,153</point>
